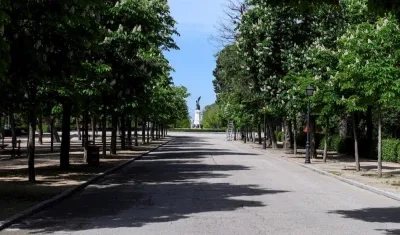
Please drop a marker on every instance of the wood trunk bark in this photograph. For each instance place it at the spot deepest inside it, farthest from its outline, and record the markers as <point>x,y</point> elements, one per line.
<point>31,135</point>
<point>104,132</point>
<point>287,133</point>
<point>123,130</point>
<point>143,132</point>
<point>114,124</point>
<point>13,131</point>
<point>136,132</point>
<point>65,136</point>
<point>234,131</point>
<point>93,130</point>
<point>129,128</point>
<point>326,140</point>
<point>379,142</point>
<point>148,132</point>
<point>152,131</point>
<point>40,127</point>
<point>31,144</point>
<point>294,135</point>
<point>52,135</point>
<point>245,133</point>
<point>343,125</point>
<point>259,133</point>
<point>78,129</point>
<point>369,133</point>
<point>355,134</point>
<point>313,149</point>
<point>272,134</point>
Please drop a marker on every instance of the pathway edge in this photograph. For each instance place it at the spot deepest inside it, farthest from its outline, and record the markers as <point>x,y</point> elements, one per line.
<point>355,183</point>
<point>69,192</point>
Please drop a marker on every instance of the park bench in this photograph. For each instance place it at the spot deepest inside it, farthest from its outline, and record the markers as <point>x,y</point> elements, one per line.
<point>3,146</point>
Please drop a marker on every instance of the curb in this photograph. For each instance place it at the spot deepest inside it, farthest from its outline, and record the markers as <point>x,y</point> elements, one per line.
<point>372,189</point>
<point>69,192</point>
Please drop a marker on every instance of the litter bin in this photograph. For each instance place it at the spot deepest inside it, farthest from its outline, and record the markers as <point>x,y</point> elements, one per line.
<point>92,155</point>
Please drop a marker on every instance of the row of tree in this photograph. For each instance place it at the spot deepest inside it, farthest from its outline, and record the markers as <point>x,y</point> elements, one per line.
<point>346,51</point>
<point>97,58</point>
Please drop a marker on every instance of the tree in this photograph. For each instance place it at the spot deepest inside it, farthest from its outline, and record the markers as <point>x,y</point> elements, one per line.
<point>369,68</point>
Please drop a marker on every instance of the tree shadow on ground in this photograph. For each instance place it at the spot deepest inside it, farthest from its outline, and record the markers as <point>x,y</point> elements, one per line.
<point>151,191</point>
<point>374,215</point>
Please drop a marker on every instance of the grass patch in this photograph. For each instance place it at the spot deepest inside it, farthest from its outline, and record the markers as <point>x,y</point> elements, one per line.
<point>335,173</point>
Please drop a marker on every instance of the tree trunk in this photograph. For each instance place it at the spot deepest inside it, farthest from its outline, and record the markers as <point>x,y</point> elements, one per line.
<point>123,130</point>
<point>294,135</point>
<point>65,139</point>
<point>129,127</point>
<point>93,129</point>
<point>148,132</point>
<point>313,149</point>
<point>86,129</point>
<point>83,129</point>
<point>157,134</point>
<point>369,131</point>
<point>379,142</point>
<point>40,127</point>
<point>52,135</point>
<point>104,131</point>
<point>31,138</point>
<point>13,131</point>
<point>78,129</point>
<point>343,125</point>
<point>114,123</point>
<point>259,133</point>
<point>355,133</point>
<point>136,132</point>
<point>326,139</point>
<point>287,140</point>
<point>234,131</point>
<point>245,133</point>
<point>152,131</point>
<point>143,132</point>
<point>163,128</point>
<point>272,134</point>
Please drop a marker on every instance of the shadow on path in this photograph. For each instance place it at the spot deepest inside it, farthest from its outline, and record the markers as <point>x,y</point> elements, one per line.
<point>152,191</point>
<point>374,215</point>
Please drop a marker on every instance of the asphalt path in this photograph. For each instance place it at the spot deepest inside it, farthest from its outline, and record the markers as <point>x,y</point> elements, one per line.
<point>203,184</point>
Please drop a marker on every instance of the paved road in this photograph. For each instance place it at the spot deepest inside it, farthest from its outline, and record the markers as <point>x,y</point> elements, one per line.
<point>201,184</point>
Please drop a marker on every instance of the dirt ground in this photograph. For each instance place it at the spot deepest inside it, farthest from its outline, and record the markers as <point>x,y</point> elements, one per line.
<point>16,194</point>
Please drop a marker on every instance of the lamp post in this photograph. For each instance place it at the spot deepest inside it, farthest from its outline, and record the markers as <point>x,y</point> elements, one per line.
<point>309,92</point>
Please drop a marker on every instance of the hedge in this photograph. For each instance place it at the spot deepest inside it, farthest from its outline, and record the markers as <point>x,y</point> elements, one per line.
<point>390,150</point>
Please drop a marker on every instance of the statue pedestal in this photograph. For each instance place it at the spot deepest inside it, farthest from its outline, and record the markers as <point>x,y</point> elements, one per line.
<point>197,119</point>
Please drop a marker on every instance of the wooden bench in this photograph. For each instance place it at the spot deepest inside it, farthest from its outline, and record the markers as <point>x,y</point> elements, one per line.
<point>2,146</point>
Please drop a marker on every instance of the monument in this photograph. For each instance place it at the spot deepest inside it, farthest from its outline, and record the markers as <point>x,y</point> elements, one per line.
<point>197,117</point>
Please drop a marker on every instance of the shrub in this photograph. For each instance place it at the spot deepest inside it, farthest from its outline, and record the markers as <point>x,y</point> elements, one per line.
<point>390,150</point>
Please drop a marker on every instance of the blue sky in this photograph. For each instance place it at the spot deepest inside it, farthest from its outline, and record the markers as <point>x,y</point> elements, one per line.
<point>195,60</point>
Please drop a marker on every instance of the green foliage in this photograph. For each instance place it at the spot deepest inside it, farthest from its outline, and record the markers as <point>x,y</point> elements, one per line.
<point>213,117</point>
<point>390,150</point>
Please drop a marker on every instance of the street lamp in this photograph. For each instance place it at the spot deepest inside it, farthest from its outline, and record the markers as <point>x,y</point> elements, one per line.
<point>309,92</point>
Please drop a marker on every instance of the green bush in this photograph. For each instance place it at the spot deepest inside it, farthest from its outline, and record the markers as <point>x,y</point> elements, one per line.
<point>279,135</point>
<point>390,150</point>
